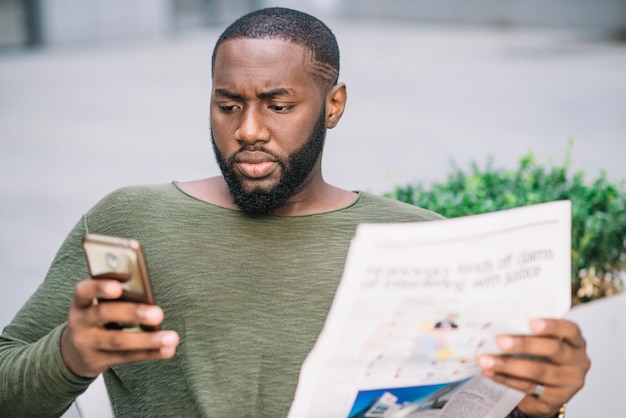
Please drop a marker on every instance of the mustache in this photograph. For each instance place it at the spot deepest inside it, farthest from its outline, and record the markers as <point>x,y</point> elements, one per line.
<point>254,148</point>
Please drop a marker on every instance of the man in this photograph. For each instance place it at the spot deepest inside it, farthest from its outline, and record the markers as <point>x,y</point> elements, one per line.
<point>243,266</point>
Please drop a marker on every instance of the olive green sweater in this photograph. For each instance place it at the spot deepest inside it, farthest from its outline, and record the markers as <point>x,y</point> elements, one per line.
<point>247,294</point>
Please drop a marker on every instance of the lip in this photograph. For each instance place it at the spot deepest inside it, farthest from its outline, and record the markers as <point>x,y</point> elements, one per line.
<point>255,164</point>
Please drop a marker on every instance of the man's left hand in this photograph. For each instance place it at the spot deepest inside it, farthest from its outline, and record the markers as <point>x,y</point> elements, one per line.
<point>549,366</point>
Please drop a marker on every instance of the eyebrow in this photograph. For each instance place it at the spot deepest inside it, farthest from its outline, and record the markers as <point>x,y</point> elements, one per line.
<point>228,94</point>
<point>270,94</point>
<point>281,91</point>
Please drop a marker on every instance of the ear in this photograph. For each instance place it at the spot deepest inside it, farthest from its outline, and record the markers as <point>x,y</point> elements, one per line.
<point>335,104</point>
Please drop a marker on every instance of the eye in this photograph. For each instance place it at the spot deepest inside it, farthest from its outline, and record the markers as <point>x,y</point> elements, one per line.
<point>228,108</point>
<point>281,108</point>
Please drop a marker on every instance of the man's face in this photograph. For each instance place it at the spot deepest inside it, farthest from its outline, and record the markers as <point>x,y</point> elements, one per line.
<point>294,170</point>
<point>268,121</point>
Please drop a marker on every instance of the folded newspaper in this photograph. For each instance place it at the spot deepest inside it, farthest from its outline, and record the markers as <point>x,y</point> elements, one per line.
<point>418,302</point>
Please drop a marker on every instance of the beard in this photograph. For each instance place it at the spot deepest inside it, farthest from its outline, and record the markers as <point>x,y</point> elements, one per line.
<point>295,171</point>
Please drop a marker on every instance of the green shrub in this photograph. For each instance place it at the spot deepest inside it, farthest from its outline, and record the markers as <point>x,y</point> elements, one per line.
<point>598,212</point>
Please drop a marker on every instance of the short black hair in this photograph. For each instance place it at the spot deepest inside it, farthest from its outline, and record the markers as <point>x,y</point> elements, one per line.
<point>292,26</point>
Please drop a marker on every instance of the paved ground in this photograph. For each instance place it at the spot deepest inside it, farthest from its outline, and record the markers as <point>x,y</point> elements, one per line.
<point>77,123</point>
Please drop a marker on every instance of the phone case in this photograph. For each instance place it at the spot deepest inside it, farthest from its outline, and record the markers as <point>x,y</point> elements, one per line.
<point>120,259</point>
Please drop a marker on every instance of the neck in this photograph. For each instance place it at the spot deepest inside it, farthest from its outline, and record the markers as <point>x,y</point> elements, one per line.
<point>317,197</point>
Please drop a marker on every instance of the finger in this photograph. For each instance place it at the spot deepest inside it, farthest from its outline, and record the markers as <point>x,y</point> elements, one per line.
<point>550,349</point>
<point>549,394</point>
<point>540,400</point>
<point>523,371</point>
<point>126,313</point>
<point>100,360</point>
<point>559,328</point>
<point>121,357</point>
<point>86,291</point>
<point>122,343</point>
<point>542,404</point>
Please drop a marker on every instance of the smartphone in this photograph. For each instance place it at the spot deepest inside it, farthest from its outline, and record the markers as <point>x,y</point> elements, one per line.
<point>120,259</point>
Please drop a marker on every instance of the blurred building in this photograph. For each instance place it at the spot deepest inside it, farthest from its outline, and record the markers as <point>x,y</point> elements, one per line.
<point>603,15</point>
<point>62,22</point>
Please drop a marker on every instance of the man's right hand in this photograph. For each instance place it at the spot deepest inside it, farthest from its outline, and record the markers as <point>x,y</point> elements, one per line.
<point>88,348</point>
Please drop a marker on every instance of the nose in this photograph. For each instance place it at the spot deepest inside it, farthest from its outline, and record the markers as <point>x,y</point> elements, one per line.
<point>252,128</point>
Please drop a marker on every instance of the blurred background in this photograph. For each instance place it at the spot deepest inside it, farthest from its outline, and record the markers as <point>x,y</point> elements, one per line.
<point>99,94</point>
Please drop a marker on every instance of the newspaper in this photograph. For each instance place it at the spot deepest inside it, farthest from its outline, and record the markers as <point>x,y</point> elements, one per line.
<point>419,301</point>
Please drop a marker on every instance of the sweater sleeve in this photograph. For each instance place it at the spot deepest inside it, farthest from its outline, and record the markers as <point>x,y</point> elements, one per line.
<point>34,380</point>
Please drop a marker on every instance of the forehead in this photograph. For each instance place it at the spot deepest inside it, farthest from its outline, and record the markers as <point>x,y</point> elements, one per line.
<point>266,63</point>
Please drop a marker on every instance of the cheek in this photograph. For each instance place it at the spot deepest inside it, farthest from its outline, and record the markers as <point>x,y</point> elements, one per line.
<point>218,122</point>
<point>292,131</point>
<point>221,130</point>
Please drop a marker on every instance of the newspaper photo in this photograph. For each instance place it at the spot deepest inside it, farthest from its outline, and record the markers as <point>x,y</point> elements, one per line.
<point>418,302</point>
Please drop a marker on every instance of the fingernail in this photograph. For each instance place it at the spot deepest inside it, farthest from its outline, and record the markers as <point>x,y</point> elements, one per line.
<point>505,342</point>
<point>111,288</point>
<point>486,362</point>
<point>537,325</point>
<point>152,314</point>
<point>169,338</point>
